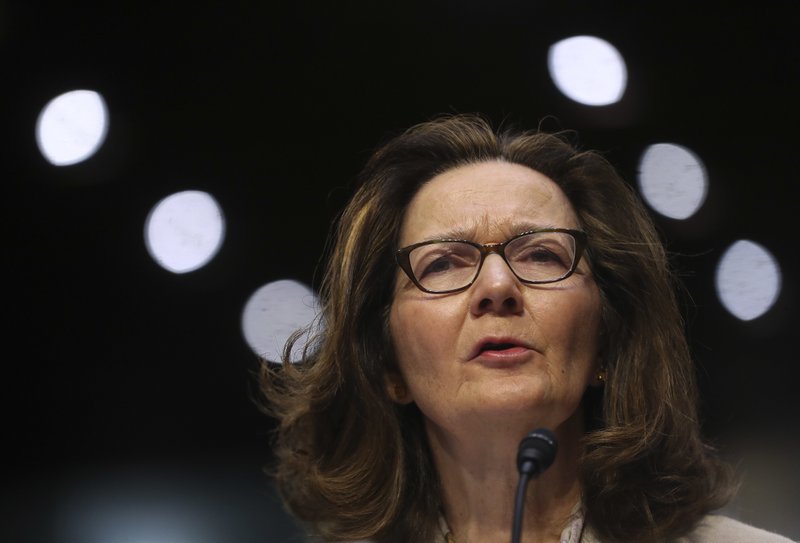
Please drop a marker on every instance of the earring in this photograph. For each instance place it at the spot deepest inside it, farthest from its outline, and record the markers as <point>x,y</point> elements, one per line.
<point>602,375</point>
<point>399,392</point>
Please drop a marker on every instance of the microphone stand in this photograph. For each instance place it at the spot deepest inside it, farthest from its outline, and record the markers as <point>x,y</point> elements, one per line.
<point>536,453</point>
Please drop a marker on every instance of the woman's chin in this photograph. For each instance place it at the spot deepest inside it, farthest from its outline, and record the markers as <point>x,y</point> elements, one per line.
<point>523,392</point>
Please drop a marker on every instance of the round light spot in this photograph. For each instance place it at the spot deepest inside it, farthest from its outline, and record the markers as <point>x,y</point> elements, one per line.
<point>748,280</point>
<point>184,231</point>
<point>72,127</point>
<point>672,180</point>
<point>156,505</point>
<point>276,311</point>
<point>588,70</point>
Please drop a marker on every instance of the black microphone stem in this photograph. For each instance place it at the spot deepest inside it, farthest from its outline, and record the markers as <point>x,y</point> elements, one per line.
<point>519,505</point>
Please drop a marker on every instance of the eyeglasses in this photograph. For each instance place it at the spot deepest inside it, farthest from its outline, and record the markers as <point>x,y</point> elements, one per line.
<point>448,265</point>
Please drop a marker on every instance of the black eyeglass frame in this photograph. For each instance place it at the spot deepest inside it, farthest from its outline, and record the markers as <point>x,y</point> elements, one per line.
<point>403,259</point>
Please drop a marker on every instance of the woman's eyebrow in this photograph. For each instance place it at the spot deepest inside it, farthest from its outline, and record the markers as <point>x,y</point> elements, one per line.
<point>471,233</point>
<point>454,233</point>
<point>520,227</point>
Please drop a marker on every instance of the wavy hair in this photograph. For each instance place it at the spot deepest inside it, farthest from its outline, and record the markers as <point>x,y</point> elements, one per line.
<point>354,465</point>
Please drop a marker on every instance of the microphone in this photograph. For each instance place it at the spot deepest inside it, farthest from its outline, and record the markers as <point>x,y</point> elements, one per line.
<point>536,453</point>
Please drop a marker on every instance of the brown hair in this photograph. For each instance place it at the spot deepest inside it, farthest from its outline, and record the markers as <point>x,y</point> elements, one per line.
<point>355,465</point>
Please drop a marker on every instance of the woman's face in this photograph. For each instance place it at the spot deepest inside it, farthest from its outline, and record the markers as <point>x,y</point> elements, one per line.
<point>549,332</point>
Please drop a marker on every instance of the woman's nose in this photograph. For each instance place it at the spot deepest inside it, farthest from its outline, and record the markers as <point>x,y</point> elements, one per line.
<point>496,289</point>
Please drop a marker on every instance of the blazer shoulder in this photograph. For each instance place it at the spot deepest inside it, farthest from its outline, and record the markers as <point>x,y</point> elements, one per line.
<point>722,529</point>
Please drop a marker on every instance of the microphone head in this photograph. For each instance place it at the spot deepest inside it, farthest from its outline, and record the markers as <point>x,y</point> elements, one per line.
<point>537,451</point>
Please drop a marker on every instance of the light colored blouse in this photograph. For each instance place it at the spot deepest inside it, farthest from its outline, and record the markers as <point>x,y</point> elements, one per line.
<point>711,529</point>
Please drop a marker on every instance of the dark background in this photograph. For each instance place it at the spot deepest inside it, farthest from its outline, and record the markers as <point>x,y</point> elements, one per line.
<point>125,382</point>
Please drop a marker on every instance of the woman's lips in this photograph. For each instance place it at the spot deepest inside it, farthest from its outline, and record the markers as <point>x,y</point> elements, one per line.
<point>500,349</point>
<point>511,357</point>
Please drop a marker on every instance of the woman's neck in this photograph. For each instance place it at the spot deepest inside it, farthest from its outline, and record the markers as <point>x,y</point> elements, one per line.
<point>479,480</point>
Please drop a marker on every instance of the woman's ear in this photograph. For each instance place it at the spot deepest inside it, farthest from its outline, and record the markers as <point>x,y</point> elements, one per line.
<point>396,388</point>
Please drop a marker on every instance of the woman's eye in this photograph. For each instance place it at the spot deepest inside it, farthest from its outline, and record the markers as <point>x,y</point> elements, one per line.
<point>447,260</point>
<point>542,255</point>
<point>440,265</point>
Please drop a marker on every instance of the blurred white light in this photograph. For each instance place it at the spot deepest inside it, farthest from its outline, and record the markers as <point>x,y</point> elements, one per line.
<point>273,313</point>
<point>184,231</point>
<point>748,280</point>
<point>71,127</point>
<point>164,506</point>
<point>672,180</point>
<point>100,514</point>
<point>588,70</point>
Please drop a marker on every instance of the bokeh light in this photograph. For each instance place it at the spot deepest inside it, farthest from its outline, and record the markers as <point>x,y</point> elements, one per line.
<point>672,180</point>
<point>273,313</point>
<point>184,231</point>
<point>72,127</point>
<point>588,70</point>
<point>169,505</point>
<point>748,280</point>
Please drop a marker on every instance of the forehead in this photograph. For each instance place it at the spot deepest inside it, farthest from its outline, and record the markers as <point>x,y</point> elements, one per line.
<point>485,202</point>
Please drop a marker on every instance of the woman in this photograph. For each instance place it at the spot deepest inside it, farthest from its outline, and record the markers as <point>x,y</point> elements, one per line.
<point>481,285</point>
